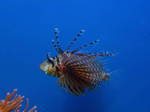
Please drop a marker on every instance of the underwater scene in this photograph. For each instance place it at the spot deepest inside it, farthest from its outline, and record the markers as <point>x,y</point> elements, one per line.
<point>74,56</point>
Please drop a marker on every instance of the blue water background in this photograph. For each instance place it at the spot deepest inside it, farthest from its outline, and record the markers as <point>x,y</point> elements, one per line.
<point>122,26</point>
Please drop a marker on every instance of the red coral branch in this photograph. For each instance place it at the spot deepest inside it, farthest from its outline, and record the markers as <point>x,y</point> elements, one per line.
<point>12,102</point>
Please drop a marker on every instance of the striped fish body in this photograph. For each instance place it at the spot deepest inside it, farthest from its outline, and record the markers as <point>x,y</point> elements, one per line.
<point>75,71</point>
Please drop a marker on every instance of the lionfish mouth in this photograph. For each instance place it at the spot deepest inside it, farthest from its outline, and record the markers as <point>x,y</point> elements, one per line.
<point>44,67</point>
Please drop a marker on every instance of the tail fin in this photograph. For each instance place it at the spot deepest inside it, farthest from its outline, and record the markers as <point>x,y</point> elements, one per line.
<point>105,76</point>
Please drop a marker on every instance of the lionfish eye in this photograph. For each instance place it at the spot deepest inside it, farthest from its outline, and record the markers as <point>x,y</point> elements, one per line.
<point>50,60</point>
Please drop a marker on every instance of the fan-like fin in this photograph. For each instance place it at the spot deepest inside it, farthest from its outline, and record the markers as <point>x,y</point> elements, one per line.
<point>85,45</point>
<point>56,43</point>
<point>75,39</point>
<point>72,85</point>
<point>80,72</point>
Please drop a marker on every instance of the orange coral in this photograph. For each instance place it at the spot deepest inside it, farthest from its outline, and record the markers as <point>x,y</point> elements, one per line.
<point>12,102</point>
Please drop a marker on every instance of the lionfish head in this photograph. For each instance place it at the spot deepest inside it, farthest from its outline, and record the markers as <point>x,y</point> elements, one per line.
<point>48,66</point>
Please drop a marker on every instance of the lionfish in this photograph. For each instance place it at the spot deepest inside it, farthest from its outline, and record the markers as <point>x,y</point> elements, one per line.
<point>75,71</point>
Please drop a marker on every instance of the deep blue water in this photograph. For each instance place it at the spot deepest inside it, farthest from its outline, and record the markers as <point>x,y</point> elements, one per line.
<point>122,26</point>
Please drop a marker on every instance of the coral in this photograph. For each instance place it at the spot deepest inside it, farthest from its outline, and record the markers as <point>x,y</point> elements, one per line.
<point>12,102</point>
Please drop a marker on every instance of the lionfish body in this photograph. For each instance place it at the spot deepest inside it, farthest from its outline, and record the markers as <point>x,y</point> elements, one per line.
<point>76,71</point>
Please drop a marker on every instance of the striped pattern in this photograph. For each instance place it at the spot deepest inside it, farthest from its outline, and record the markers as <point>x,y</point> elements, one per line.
<point>80,72</point>
<point>76,71</point>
